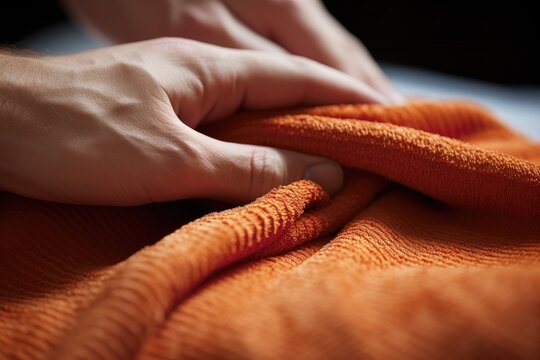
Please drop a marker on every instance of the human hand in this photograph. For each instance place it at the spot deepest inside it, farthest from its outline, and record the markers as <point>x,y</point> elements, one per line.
<point>301,27</point>
<point>116,126</point>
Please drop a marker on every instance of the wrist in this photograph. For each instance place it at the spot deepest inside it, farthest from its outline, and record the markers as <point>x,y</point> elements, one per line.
<point>19,82</point>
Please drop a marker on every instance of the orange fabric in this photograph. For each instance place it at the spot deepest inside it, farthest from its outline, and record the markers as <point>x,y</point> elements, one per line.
<point>431,250</point>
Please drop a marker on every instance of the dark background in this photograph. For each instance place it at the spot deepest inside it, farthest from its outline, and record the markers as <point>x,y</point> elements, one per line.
<point>496,41</point>
<point>492,41</point>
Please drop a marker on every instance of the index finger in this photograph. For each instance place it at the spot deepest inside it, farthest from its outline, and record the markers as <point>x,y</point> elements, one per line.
<point>260,80</point>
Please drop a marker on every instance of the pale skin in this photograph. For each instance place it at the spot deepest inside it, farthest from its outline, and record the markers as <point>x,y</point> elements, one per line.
<point>117,126</point>
<point>300,27</point>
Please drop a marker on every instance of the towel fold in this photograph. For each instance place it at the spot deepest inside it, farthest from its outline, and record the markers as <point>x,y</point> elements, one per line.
<point>431,250</point>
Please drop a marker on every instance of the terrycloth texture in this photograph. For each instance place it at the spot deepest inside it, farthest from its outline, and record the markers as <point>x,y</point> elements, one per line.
<point>440,260</point>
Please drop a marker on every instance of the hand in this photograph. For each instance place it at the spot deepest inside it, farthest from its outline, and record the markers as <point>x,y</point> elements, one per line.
<point>116,126</point>
<point>301,27</point>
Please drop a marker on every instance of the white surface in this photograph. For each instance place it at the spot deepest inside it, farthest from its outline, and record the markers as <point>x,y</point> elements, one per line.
<point>517,106</point>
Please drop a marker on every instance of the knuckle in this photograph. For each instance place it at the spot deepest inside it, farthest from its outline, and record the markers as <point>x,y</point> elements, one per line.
<point>129,69</point>
<point>132,75</point>
<point>267,170</point>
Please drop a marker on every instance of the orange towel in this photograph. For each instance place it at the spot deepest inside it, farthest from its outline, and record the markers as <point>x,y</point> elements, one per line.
<point>431,250</point>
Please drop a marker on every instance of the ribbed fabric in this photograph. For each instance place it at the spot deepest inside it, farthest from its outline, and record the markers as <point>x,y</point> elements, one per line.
<point>431,250</point>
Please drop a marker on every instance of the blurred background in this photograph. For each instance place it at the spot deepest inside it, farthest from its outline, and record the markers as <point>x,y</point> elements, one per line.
<point>495,41</point>
<point>486,51</point>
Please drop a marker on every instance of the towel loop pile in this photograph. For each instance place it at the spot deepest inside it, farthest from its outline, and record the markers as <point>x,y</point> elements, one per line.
<point>431,250</point>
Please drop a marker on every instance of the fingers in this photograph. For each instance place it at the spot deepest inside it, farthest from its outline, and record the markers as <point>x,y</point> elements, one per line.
<point>241,173</point>
<point>360,63</point>
<point>301,27</point>
<point>305,28</point>
<point>211,22</point>
<point>334,46</point>
<point>249,80</point>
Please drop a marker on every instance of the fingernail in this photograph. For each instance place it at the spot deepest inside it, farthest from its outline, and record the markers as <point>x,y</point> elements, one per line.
<point>327,174</point>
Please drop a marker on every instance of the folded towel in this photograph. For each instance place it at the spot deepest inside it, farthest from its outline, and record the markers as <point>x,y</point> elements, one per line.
<point>431,250</point>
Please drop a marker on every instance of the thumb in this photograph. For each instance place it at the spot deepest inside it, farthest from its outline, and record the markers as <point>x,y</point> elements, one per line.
<point>241,173</point>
